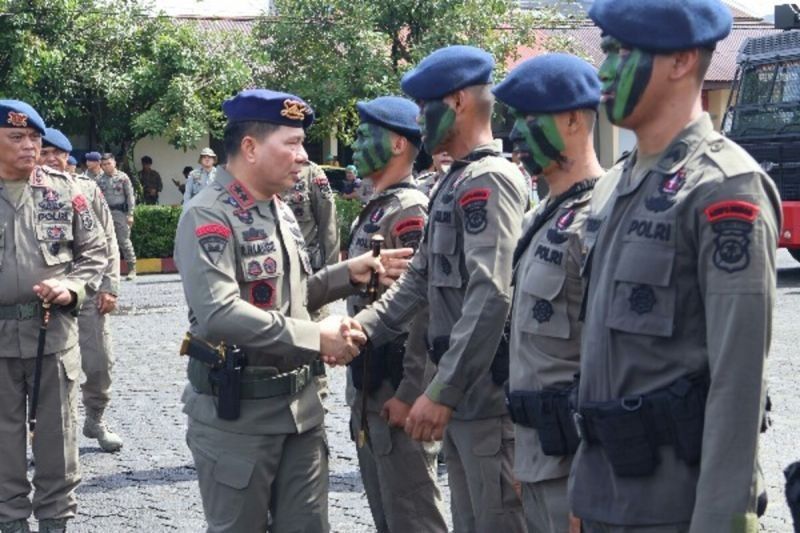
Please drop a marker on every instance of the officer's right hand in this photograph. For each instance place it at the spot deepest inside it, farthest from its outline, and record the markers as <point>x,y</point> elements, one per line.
<point>106,302</point>
<point>338,342</point>
<point>395,412</point>
<point>52,291</point>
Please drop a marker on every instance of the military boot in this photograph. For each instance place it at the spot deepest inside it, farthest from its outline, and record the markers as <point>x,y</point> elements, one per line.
<point>15,526</point>
<point>53,525</point>
<point>131,273</point>
<point>95,428</point>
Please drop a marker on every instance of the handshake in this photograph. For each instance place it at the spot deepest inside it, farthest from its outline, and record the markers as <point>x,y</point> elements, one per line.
<point>341,340</point>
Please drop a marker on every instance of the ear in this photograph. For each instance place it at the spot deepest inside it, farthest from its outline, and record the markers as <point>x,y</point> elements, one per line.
<point>573,122</point>
<point>457,100</point>
<point>683,63</point>
<point>247,149</point>
<point>399,144</point>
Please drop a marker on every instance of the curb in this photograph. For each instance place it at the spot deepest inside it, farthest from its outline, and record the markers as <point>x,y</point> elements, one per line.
<point>164,265</point>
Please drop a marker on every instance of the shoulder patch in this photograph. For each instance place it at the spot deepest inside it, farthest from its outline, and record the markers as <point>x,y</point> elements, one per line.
<point>409,224</point>
<point>213,239</point>
<point>473,203</point>
<point>732,209</point>
<point>213,229</point>
<point>79,203</point>
<point>732,223</point>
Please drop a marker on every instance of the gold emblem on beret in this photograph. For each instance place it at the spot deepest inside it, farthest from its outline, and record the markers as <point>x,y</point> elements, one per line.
<point>294,110</point>
<point>18,120</point>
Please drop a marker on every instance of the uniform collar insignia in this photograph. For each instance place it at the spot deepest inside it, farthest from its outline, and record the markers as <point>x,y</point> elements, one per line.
<point>240,194</point>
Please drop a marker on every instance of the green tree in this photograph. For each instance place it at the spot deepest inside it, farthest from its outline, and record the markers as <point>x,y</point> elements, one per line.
<point>335,52</point>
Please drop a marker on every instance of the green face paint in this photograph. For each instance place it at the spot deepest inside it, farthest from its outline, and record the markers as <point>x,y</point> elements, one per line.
<point>537,140</point>
<point>436,122</point>
<point>625,74</point>
<point>372,149</point>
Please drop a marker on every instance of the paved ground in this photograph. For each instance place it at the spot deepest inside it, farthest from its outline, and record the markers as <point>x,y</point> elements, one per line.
<point>150,486</point>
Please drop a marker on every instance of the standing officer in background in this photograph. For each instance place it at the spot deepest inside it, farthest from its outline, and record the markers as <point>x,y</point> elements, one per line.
<point>72,165</point>
<point>50,250</point>
<point>150,180</point>
<point>681,280</point>
<point>462,271</point>
<point>554,98</point>
<point>118,191</point>
<point>199,178</point>
<point>255,424</point>
<point>93,169</point>
<point>440,167</point>
<point>94,336</point>
<point>399,475</point>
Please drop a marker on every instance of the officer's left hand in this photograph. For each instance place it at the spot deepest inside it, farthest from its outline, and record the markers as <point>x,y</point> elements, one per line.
<point>130,221</point>
<point>395,412</point>
<point>51,291</point>
<point>574,524</point>
<point>390,265</point>
<point>427,420</point>
<point>106,302</point>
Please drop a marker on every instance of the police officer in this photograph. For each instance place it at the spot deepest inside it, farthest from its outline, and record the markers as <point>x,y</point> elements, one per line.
<point>260,450</point>
<point>199,178</point>
<point>681,273</point>
<point>93,169</point>
<point>554,98</point>
<point>50,250</point>
<point>118,191</point>
<point>399,475</point>
<point>72,165</point>
<point>440,167</point>
<point>463,272</point>
<point>94,337</point>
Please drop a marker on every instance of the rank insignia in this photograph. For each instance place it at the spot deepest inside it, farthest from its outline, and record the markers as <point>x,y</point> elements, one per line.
<point>473,203</point>
<point>665,196</point>
<point>556,234</point>
<point>642,299</point>
<point>240,194</point>
<point>377,215</point>
<point>262,294</point>
<point>732,222</point>
<point>542,311</point>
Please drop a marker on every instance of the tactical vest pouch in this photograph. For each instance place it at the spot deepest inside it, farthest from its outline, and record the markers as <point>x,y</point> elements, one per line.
<point>375,373</point>
<point>395,352</point>
<point>622,432</point>
<point>500,368</point>
<point>438,348</point>
<point>549,412</point>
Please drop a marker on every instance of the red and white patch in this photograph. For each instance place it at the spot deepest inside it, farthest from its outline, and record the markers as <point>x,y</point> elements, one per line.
<point>475,195</point>
<point>732,210</point>
<point>37,178</point>
<point>79,203</point>
<point>409,224</point>
<point>213,229</point>
<point>321,181</point>
<point>240,194</point>
<point>262,294</point>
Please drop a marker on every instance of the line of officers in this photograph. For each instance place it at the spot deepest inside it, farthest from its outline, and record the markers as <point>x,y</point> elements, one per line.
<point>594,365</point>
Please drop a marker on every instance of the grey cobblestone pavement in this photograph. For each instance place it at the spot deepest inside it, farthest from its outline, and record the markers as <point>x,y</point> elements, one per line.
<point>150,486</point>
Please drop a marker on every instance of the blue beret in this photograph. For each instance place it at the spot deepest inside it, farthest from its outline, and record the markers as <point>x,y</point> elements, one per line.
<point>92,156</point>
<point>393,113</point>
<point>263,105</point>
<point>663,25</point>
<point>447,70</point>
<point>53,137</point>
<point>17,114</point>
<point>72,161</point>
<point>550,83</point>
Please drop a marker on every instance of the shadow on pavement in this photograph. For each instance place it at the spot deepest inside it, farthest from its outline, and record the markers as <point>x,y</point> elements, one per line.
<point>788,277</point>
<point>138,478</point>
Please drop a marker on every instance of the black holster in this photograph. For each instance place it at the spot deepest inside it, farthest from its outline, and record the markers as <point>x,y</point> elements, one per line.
<point>385,362</point>
<point>227,380</point>
<point>549,411</point>
<point>500,368</point>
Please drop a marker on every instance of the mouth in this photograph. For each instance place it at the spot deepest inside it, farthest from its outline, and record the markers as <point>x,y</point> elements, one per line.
<point>607,95</point>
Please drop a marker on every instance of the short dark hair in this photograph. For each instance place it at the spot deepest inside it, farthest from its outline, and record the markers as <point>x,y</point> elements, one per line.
<point>106,156</point>
<point>147,160</point>
<point>705,55</point>
<point>235,132</point>
<point>186,170</point>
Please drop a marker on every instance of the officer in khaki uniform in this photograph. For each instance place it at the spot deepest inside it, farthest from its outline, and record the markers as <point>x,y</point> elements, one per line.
<point>248,283</point>
<point>50,250</point>
<point>93,170</point>
<point>462,271</point>
<point>554,98</point>
<point>399,475</point>
<point>94,337</point>
<point>681,272</point>
<point>118,191</point>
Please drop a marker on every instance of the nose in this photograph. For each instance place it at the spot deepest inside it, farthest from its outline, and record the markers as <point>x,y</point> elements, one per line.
<point>302,155</point>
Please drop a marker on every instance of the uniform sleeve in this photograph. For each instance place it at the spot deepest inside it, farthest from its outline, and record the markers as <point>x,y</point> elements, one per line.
<point>206,259</point>
<point>737,231</point>
<point>492,210</point>
<point>110,280</point>
<point>323,205</point>
<point>328,285</point>
<point>130,197</point>
<point>89,250</point>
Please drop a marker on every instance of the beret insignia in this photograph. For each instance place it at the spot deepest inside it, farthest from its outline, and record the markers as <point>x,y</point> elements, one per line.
<point>294,110</point>
<point>18,120</point>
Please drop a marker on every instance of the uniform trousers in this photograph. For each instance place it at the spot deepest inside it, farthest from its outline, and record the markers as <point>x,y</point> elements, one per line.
<point>480,461</point>
<point>97,359</point>
<point>55,447</point>
<point>546,506</point>
<point>123,232</point>
<point>246,479</point>
<point>597,527</point>
<point>399,478</point>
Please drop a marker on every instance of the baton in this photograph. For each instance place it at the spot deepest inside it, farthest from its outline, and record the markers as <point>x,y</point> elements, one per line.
<point>37,375</point>
<point>373,288</point>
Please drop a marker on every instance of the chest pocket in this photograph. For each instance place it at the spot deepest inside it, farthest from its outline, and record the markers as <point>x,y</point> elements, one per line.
<point>542,305</point>
<point>446,267</point>
<point>54,233</point>
<point>644,295</point>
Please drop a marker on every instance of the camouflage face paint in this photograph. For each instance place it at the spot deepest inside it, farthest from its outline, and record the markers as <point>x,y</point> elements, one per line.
<point>372,149</point>
<point>436,122</point>
<point>537,140</point>
<point>625,74</point>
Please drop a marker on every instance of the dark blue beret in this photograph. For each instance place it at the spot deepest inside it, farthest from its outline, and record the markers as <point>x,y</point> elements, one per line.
<point>663,25</point>
<point>53,137</point>
<point>72,161</point>
<point>17,114</point>
<point>550,83</point>
<point>447,70</point>
<point>92,156</point>
<point>263,105</point>
<point>393,113</point>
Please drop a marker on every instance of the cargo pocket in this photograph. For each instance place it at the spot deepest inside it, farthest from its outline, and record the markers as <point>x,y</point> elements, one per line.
<point>543,304</point>
<point>70,362</point>
<point>55,242</point>
<point>445,266</point>
<point>644,296</point>
<point>488,442</point>
<point>222,484</point>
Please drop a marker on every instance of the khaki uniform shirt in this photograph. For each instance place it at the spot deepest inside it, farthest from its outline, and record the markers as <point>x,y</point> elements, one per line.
<point>150,179</point>
<point>110,280</point>
<point>682,279</point>
<point>50,233</point>
<point>198,180</point>
<point>248,282</point>
<point>545,331</point>
<point>398,214</point>
<point>118,190</point>
<point>312,202</point>
<point>462,271</point>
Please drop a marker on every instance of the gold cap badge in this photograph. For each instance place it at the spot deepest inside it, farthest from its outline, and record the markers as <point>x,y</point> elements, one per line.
<point>18,120</point>
<point>294,110</point>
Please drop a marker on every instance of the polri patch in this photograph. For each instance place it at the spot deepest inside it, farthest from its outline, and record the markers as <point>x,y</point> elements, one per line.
<point>642,299</point>
<point>254,269</point>
<point>270,266</point>
<point>409,231</point>
<point>213,239</point>
<point>667,190</point>
<point>732,222</point>
<point>473,203</point>
<point>542,311</point>
<point>254,234</point>
<point>262,294</point>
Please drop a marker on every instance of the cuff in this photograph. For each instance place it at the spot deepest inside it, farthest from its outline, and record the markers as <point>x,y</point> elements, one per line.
<point>110,286</point>
<point>407,392</point>
<point>78,290</point>
<point>444,394</point>
<point>377,333</point>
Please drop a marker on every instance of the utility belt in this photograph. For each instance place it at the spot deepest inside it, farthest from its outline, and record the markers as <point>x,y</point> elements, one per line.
<point>631,429</point>
<point>548,411</point>
<point>223,371</point>
<point>500,363</point>
<point>385,362</point>
<point>119,207</point>
<point>26,311</point>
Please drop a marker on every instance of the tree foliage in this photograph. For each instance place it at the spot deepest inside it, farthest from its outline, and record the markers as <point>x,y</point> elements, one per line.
<point>336,52</point>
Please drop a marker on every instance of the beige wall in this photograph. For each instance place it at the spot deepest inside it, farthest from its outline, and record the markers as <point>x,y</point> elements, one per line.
<point>717,104</point>
<point>169,162</point>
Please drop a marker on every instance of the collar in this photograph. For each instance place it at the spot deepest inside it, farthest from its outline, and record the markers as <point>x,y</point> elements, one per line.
<point>406,183</point>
